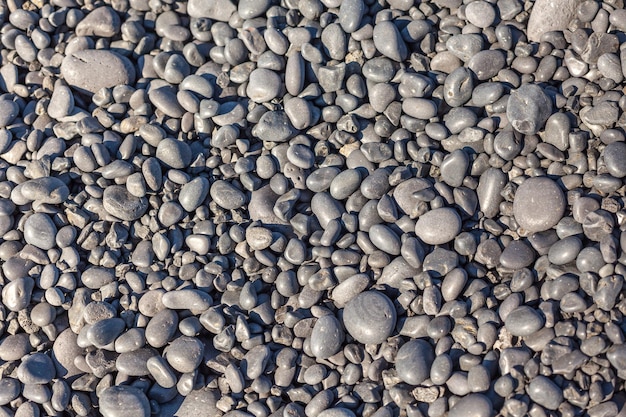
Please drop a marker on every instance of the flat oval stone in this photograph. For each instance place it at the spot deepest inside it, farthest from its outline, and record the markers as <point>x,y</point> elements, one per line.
<point>174,153</point>
<point>62,101</point>
<point>220,10</point>
<point>539,204</point>
<point>105,332</point>
<point>97,277</point>
<point>263,85</point>
<point>517,255</point>
<point>385,239</point>
<point>90,70</point>
<point>14,347</point>
<point>336,412</point>
<point>8,112</point>
<point>161,328</point>
<point>327,337</point>
<point>414,360</point>
<point>615,159</point>
<point>184,354</point>
<point>472,405</point>
<point>370,317</point>
<point>40,231</point>
<point>193,194</point>
<point>524,321</point>
<point>350,14</point>
<point>438,226</point>
<point>36,369</point>
<point>135,363</point>
<point>123,401</point>
<point>119,202</point>
<point>64,351</point>
<point>10,389</point>
<point>187,299</point>
<point>545,392</point>
<point>227,195</point>
<point>389,42</point>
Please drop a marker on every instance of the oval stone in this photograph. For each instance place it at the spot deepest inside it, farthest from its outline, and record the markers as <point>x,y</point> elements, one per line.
<point>370,317</point>
<point>414,360</point>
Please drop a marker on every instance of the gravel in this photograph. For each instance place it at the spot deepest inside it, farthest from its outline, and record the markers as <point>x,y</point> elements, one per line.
<point>331,208</point>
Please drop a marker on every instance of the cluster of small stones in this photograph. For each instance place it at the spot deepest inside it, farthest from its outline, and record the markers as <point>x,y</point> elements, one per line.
<point>312,208</point>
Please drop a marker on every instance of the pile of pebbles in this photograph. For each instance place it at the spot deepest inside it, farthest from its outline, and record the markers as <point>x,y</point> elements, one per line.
<point>312,208</point>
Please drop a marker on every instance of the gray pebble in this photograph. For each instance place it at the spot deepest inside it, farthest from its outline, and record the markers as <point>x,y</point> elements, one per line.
<point>36,369</point>
<point>61,102</point>
<point>327,337</point>
<point>123,401</point>
<point>370,317</point>
<point>8,112</point>
<point>227,195</point>
<point>539,204</point>
<point>184,354</point>
<point>528,109</point>
<point>545,392</point>
<point>438,226</point>
<point>102,22</point>
<point>474,405</point>
<point>524,321</point>
<point>414,361</point>
<point>118,202</point>
<point>389,42</point>
<point>615,159</point>
<point>91,70</point>
<point>40,231</point>
<point>263,85</point>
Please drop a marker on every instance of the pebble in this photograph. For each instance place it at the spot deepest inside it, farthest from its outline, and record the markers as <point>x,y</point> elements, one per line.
<point>545,392</point>
<point>414,361</point>
<point>539,204</point>
<point>370,317</point>
<point>524,321</point>
<point>173,153</point>
<point>119,202</point>
<point>90,70</point>
<point>327,337</point>
<point>184,354</point>
<point>548,16</point>
<point>528,109</point>
<point>438,226</point>
<point>40,231</point>
<point>316,207</point>
<point>123,401</point>
<point>194,193</point>
<point>36,369</point>
<point>477,405</point>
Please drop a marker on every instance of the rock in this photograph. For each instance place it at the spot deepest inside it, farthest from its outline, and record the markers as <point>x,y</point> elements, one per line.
<point>102,22</point>
<point>550,15</point>
<point>220,10</point>
<point>118,202</point>
<point>370,317</point>
<point>90,70</point>
<point>438,226</point>
<point>414,360</point>
<point>539,204</point>
<point>327,337</point>
<point>124,401</point>
<point>528,109</point>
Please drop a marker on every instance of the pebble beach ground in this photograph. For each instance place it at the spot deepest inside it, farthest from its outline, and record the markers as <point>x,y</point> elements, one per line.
<point>312,208</point>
